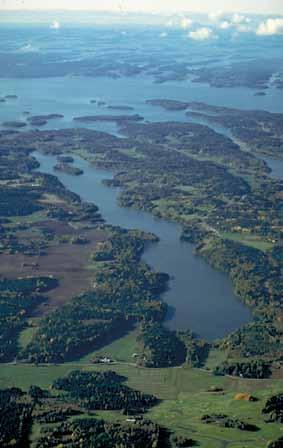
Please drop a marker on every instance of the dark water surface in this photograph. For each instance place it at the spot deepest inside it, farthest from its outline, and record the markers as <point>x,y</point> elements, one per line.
<point>199,297</point>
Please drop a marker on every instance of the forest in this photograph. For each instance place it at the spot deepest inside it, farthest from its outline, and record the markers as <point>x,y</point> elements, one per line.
<point>228,207</point>
<point>104,391</point>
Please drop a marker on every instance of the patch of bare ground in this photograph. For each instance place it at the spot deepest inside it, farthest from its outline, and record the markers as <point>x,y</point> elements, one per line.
<point>69,263</point>
<point>58,227</point>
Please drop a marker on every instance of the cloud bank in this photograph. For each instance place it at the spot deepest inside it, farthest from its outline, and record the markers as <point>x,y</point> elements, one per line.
<point>201,34</point>
<point>270,27</point>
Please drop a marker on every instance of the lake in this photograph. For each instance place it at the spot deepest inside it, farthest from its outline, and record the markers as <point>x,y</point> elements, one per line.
<point>199,297</point>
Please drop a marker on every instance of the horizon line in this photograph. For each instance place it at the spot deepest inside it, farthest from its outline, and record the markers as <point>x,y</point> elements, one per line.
<point>118,13</point>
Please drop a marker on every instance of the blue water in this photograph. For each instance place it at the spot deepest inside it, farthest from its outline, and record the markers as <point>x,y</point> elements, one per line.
<point>199,297</point>
<point>71,97</point>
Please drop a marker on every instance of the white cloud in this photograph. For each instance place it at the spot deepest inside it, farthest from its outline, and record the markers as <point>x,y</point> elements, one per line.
<point>185,23</point>
<point>236,21</point>
<point>225,25</point>
<point>202,34</point>
<point>216,16</point>
<point>239,19</point>
<point>270,27</point>
<point>163,34</point>
<point>179,22</point>
<point>55,25</point>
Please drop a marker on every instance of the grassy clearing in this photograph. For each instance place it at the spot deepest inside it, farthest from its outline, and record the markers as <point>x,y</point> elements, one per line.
<point>166,384</point>
<point>185,396</point>
<point>215,358</point>
<point>184,416</point>
<point>28,219</point>
<point>26,336</point>
<point>120,350</point>
<point>132,153</point>
<point>35,433</point>
<point>248,240</point>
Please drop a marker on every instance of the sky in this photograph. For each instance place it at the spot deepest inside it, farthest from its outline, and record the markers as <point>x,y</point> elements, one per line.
<point>206,6</point>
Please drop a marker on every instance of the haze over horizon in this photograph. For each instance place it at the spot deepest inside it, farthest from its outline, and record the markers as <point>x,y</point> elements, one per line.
<point>247,6</point>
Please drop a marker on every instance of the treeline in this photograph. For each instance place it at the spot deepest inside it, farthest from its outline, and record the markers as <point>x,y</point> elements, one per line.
<point>26,285</point>
<point>18,201</point>
<point>224,421</point>
<point>15,418</point>
<point>18,297</point>
<point>104,391</point>
<point>126,291</point>
<point>160,347</point>
<point>126,283</point>
<point>259,338</point>
<point>94,433</point>
<point>84,390</point>
<point>276,444</point>
<point>250,269</point>
<point>261,131</point>
<point>258,369</point>
<point>273,409</point>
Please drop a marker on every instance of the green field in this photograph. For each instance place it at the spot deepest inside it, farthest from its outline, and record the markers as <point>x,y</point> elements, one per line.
<point>185,398</point>
<point>120,350</point>
<point>26,336</point>
<point>248,240</point>
<point>183,391</point>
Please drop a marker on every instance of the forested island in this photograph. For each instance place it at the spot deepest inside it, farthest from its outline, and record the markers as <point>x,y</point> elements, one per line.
<point>119,119</point>
<point>41,120</point>
<point>67,168</point>
<point>258,132</point>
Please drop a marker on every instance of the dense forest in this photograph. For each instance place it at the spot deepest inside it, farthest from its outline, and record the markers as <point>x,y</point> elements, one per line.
<point>93,433</point>
<point>105,391</point>
<point>126,291</point>
<point>15,418</point>
<point>18,298</point>
<point>273,409</point>
<point>251,369</point>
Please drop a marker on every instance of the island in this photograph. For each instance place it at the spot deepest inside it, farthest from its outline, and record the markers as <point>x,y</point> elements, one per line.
<point>66,168</point>
<point>255,75</point>
<point>11,97</point>
<point>114,118</point>
<point>65,159</point>
<point>166,104</point>
<point>14,124</point>
<point>125,108</point>
<point>258,132</point>
<point>36,121</point>
<point>41,120</point>
<point>260,93</point>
